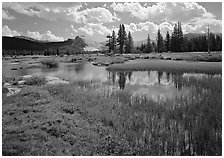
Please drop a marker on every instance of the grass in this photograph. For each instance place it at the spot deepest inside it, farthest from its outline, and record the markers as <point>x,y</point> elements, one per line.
<point>169,66</point>
<point>67,120</point>
<point>50,63</point>
<point>35,80</point>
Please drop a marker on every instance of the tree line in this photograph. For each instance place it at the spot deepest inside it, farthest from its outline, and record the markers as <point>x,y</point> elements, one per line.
<point>174,42</point>
<point>122,43</point>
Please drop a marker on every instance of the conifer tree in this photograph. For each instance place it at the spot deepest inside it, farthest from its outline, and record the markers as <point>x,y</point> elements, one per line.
<point>129,44</point>
<point>159,42</point>
<point>174,39</point>
<point>122,37</point>
<point>148,48</point>
<point>113,42</point>
<point>167,42</point>
<point>180,38</point>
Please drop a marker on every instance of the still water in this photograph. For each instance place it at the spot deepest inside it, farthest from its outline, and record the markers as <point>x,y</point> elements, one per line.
<point>158,86</point>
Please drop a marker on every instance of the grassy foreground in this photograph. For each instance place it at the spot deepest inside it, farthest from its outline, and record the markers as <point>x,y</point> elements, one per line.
<point>69,120</point>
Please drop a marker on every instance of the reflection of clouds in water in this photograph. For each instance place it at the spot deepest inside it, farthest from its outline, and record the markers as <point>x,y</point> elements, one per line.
<point>196,75</point>
<point>87,72</point>
<point>162,92</point>
<point>148,79</point>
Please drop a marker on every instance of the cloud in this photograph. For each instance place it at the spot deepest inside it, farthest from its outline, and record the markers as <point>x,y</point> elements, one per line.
<point>201,26</point>
<point>6,31</point>
<point>135,9</point>
<point>132,27</point>
<point>7,15</point>
<point>47,36</point>
<point>43,10</point>
<point>164,27</point>
<point>29,9</point>
<point>163,11</point>
<point>89,31</point>
<point>150,28</point>
<point>92,28</point>
<point>72,13</point>
<point>34,35</point>
<point>93,15</point>
<point>73,29</point>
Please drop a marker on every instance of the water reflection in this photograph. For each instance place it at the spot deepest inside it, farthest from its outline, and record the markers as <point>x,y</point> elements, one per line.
<point>157,85</point>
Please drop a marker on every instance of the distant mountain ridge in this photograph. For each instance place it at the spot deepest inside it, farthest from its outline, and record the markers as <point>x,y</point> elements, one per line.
<point>80,43</point>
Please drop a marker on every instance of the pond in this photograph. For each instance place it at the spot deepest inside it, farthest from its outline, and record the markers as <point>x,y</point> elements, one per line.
<point>156,85</point>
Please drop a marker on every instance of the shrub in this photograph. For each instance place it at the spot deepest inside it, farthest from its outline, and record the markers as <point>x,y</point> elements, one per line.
<point>36,80</point>
<point>50,63</point>
<point>5,90</point>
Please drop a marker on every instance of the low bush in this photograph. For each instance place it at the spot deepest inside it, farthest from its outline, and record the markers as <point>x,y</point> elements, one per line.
<point>36,80</point>
<point>50,63</point>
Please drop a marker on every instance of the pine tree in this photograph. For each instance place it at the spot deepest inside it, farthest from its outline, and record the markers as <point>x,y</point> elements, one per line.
<point>122,37</point>
<point>129,44</point>
<point>159,42</point>
<point>180,38</point>
<point>174,39</point>
<point>109,43</point>
<point>148,48</point>
<point>119,39</point>
<point>125,39</point>
<point>142,47</point>
<point>167,42</point>
<point>212,42</point>
<point>113,42</point>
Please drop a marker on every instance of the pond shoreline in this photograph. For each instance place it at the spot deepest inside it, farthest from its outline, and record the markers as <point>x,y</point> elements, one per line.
<point>169,66</point>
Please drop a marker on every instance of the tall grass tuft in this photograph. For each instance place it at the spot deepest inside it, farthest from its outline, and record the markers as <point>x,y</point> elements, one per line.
<point>35,80</point>
<point>50,63</point>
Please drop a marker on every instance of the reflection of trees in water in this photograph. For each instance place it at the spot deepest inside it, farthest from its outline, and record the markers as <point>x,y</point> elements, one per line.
<point>129,75</point>
<point>159,75</point>
<point>113,77</point>
<point>168,77</point>
<point>177,79</point>
<point>79,67</point>
<point>122,77</point>
<point>149,74</point>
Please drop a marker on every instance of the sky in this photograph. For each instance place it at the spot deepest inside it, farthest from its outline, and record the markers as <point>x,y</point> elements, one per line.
<point>58,21</point>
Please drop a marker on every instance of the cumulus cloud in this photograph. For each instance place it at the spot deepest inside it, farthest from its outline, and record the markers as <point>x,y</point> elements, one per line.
<point>6,31</point>
<point>43,10</point>
<point>93,15</point>
<point>92,28</point>
<point>73,13</point>
<point>163,11</point>
<point>132,27</point>
<point>29,9</point>
<point>34,35</point>
<point>73,29</point>
<point>150,28</point>
<point>7,15</point>
<point>47,36</point>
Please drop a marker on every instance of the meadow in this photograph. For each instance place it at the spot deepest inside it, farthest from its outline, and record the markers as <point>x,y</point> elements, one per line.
<point>75,119</point>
